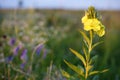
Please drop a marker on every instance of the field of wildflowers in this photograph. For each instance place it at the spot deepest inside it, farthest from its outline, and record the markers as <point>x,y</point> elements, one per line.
<point>35,44</point>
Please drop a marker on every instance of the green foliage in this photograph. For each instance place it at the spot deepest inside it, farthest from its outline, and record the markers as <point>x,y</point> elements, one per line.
<point>87,40</point>
<point>87,61</point>
<point>78,70</point>
<point>96,72</point>
<point>94,45</point>
<point>79,56</point>
<point>65,74</point>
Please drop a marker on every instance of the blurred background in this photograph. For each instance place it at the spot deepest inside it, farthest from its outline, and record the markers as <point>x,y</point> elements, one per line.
<point>57,23</point>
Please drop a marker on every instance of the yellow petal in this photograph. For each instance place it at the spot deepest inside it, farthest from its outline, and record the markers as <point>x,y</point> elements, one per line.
<point>96,27</point>
<point>84,19</point>
<point>101,32</point>
<point>87,28</point>
<point>93,24</point>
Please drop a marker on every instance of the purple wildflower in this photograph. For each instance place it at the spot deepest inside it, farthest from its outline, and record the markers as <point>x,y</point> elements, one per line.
<point>9,59</point>
<point>39,48</point>
<point>16,49</point>
<point>24,55</point>
<point>22,65</point>
<point>12,41</point>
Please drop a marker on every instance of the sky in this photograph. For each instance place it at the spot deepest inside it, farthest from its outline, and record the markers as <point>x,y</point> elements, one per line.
<point>62,4</point>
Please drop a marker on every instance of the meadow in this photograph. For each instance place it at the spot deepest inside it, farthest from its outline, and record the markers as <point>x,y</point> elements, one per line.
<point>34,43</point>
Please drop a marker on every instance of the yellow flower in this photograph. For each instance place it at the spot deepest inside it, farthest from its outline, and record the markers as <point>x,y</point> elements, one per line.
<point>91,24</point>
<point>101,32</point>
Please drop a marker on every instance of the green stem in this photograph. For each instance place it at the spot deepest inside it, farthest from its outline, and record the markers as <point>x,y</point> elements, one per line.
<point>90,45</point>
<point>89,51</point>
<point>86,68</point>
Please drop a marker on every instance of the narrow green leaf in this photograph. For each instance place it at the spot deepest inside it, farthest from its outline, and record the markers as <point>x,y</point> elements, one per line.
<point>94,72</point>
<point>105,70</point>
<point>96,44</point>
<point>93,59</point>
<point>97,72</point>
<point>85,37</point>
<point>75,68</point>
<point>65,74</point>
<point>79,56</point>
<point>89,67</point>
<point>86,44</point>
<point>85,52</point>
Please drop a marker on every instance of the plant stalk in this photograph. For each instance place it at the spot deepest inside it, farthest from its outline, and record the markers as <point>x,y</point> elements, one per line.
<point>88,58</point>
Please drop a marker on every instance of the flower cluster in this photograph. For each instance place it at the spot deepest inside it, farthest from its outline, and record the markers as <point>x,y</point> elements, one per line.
<point>91,22</point>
